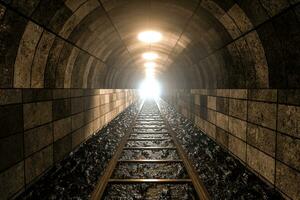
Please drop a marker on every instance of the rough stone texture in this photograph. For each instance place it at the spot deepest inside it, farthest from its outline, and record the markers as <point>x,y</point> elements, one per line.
<point>237,127</point>
<point>266,138</point>
<point>261,138</point>
<point>36,164</point>
<point>284,177</point>
<point>49,130</point>
<point>11,120</point>
<point>288,150</point>
<point>238,108</point>
<point>289,120</point>
<point>36,114</point>
<point>262,113</point>
<point>12,180</point>
<point>11,150</point>
<point>261,163</point>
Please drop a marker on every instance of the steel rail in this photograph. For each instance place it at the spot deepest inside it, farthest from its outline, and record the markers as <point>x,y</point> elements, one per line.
<point>197,183</point>
<point>103,181</point>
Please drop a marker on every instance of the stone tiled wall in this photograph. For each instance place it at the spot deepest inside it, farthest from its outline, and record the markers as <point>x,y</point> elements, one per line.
<point>260,127</point>
<point>41,126</point>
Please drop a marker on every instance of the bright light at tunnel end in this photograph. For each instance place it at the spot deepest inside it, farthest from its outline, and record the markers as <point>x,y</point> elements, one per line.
<point>150,89</point>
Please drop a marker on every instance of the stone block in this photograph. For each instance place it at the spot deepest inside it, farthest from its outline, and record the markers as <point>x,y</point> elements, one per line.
<point>238,128</point>
<point>211,102</point>
<point>11,120</point>
<point>262,113</point>
<point>262,138</point>
<point>289,120</point>
<point>238,93</point>
<point>37,163</point>
<point>274,7</point>
<point>289,96</point>
<point>61,93</point>
<point>37,138</point>
<point>61,108</point>
<point>78,137</point>
<point>222,121</point>
<point>34,95</point>
<point>12,180</point>
<point>288,150</point>
<point>62,147</point>
<point>77,121</point>
<point>238,108</point>
<point>10,96</point>
<point>211,116</point>
<point>11,150</point>
<point>77,105</point>
<point>237,147</point>
<point>223,105</point>
<point>261,163</point>
<point>288,180</point>
<point>61,128</point>
<point>36,114</point>
<point>263,95</point>
<point>222,137</point>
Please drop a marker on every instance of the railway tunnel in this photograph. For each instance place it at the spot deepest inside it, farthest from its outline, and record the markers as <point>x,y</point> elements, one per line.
<point>150,99</point>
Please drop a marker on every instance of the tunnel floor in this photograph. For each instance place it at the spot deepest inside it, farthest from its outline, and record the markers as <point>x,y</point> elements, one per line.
<point>77,176</point>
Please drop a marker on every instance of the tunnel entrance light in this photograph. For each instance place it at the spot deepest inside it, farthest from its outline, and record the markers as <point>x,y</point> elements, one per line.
<point>150,56</point>
<point>150,36</point>
<point>150,65</point>
<point>149,89</point>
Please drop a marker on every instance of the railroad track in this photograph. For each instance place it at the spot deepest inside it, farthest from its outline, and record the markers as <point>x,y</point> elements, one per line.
<point>149,131</point>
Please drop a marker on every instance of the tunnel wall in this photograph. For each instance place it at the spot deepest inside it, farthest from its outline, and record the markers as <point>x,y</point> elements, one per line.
<point>259,126</point>
<point>39,127</point>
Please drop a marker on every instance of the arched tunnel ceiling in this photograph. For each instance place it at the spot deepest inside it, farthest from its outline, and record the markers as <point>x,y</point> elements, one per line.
<point>206,43</point>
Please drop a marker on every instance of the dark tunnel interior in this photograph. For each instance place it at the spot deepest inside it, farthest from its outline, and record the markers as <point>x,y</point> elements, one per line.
<point>69,67</point>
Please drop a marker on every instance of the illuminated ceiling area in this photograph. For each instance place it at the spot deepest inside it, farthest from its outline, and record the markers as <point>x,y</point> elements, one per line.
<point>185,43</point>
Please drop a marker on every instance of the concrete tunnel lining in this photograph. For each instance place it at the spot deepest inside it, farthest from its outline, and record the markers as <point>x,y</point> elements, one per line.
<point>221,63</point>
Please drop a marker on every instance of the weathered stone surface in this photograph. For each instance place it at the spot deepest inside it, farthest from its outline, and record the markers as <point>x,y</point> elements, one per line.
<point>61,128</point>
<point>36,164</point>
<point>10,96</point>
<point>222,137</point>
<point>12,180</point>
<point>78,137</point>
<point>274,7</point>
<point>222,121</point>
<point>36,114</point>
<point>77,121</point>
<point>11,150</point>
<point>237,147</point>
<point>288,150</point>
<point>62,148</point>
<point>25,55</point>
<point>263,95</point>
<point>261,138</point>
<point>11,120</point>
<point>61,108</point>
<point>262,163</point>
<point>238,128</point>
<point>77,105</point>
<point>289,96</point>
<point>238,108</point>
<point>34,95</point>
<point>37,138</point>
<point>262,113</point>
<point>211,102</point>
<point>289,120</point>
<point>284,177</point>
<point>223,105</point>
<point>240,18</point>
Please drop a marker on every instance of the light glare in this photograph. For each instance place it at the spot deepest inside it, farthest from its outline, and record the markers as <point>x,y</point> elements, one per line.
<point>150,36</point>
<point>149,89</point>
<point>150,56</point>
<point>150,64</point>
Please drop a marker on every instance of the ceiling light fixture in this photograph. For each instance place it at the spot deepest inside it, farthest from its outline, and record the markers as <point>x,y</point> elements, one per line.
<point>150,36</point>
